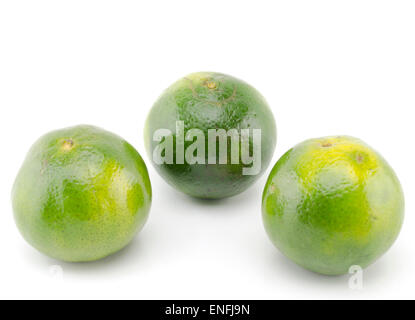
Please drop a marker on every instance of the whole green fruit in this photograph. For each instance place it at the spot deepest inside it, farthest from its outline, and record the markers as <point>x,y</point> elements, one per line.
<point>81,194</point>
<point>211,101</point>
<point>331,203</point>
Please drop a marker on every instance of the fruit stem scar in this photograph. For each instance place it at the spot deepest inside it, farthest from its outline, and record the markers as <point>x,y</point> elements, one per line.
<point>211,85</point>
<point>67,144</point>
<point>326,145</point>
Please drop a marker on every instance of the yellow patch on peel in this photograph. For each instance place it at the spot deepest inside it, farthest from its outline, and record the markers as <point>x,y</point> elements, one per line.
<point>346,156</point>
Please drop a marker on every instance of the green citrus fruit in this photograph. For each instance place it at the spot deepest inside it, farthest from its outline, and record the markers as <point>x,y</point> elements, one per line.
<point>81,194</point>
<point>205,102</point>
<point>331,203</point>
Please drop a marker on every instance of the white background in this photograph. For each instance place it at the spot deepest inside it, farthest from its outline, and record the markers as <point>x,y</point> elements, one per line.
<point>325,67</point>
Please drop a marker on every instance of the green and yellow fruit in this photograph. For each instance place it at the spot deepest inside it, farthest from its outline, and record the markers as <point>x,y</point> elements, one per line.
<point>331,203</point>
<point>210,101</point>
<point>81,194</point>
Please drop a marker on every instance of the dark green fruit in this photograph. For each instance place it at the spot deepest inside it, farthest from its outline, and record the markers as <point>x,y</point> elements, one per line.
<point>210,101</point>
